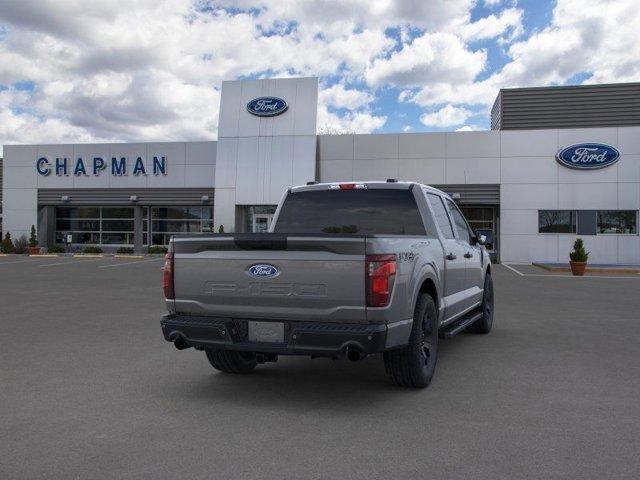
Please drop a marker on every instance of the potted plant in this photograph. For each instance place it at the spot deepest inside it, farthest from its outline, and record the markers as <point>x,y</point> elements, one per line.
<point>578,258</point>
<point>33,249</point>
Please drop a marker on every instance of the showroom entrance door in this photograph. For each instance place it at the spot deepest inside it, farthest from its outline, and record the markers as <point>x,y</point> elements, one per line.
<point>262,222</point>
<point>483,219</point>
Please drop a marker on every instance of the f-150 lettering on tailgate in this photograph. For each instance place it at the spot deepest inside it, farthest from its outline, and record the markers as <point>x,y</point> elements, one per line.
<point>266,290</point>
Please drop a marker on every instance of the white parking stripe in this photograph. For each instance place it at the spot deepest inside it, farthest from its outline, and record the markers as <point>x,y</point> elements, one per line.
<point>31,260</point>
<point>513,270</point>
<point>130,263</point>
<point>72,262</point>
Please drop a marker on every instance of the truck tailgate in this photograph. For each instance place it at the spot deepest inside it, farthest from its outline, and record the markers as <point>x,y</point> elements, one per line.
<point>313,278</point>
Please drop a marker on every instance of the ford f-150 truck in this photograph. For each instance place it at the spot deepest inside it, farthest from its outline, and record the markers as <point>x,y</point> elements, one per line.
<point>347,269</point>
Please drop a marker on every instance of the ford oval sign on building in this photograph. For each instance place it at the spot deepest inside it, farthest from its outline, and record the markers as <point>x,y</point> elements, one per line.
<point>588,156</point>
<point>263,270</point>
<point>267,106</point>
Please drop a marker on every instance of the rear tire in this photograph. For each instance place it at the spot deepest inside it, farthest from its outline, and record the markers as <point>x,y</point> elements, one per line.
<point>232,362</point>
<point>413,366</point>
<point>484,324</point>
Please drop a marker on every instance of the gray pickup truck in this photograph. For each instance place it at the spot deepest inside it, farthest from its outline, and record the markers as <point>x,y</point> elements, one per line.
<point>348,269</point>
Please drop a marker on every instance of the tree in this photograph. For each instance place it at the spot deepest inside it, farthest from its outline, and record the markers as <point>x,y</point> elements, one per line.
<point>7,244</point>
<point>221,229</point>
<point>33,238</point>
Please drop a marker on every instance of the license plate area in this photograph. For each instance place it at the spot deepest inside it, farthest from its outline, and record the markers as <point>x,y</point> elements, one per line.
<point>266,332</point>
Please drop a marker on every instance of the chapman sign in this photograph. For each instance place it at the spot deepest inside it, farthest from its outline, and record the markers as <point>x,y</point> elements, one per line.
<point>267,106</point>
<point>118,166</point>
<point>588,156</point>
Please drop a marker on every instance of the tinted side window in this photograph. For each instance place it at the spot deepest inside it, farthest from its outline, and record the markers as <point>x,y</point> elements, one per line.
<point>441,215</point>
<point>460,222</point>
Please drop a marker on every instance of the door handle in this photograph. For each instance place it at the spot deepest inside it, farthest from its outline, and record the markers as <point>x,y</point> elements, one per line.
<point>451,256</point>
<point>468,255</point>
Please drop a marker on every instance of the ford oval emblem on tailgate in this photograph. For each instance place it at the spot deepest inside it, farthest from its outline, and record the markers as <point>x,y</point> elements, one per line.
<point>263,270</point>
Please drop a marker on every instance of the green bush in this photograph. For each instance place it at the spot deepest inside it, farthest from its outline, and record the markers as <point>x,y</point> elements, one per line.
<point>20,245</point>
<point>91,249</point>
<point>33,238</point>
<point>57,248</point>
<point>221,229</point>
<point>7,244</point>
<point>124,251</point>
<point>158,249</point>
<point>579,254</point>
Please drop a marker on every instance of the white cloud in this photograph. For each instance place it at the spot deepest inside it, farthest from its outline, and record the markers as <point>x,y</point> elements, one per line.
<point>407,128</point>
<point>340,97</point>
<point>509,22</point>
<point>447,116</point>
<point>433,57</point>
<point>469,128</point>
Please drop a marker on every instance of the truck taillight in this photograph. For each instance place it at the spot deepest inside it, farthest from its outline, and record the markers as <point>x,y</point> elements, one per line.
<point>380,274</point>
<point>167,277</point>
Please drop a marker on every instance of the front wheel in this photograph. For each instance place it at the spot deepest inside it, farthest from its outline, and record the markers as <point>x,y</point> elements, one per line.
<point>484,324</point>
<point>414,365</point>
<point>231,362</point>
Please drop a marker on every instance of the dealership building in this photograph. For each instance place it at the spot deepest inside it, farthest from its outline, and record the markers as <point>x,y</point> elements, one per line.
<point>559,162</point>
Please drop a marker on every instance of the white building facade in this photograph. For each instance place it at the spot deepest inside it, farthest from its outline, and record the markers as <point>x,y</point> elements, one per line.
<point>509,183</point>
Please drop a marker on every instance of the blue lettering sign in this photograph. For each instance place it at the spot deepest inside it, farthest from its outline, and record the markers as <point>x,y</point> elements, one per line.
<point>42,165</point>
<point>267,106</point>
<point>98,165</point>
<point>588,156</point>
<point>79,170</point>
<point>159,166</point>
<point>139,167</point>
<point>118,167</point>
<point>61,166</point>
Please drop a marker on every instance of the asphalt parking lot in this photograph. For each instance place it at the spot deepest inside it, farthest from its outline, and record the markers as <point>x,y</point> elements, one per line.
<point>90,389</point>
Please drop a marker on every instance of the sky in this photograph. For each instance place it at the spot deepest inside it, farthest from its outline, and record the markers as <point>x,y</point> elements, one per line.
<point>75,71</point>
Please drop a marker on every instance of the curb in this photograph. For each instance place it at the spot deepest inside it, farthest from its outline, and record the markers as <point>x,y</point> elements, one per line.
<point>588,270</point>
<point>123,255</point>
<point>45,255</point>
<point>88,255</point>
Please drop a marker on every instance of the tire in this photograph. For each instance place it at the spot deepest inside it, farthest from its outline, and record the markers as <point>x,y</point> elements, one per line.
<point>484,324</point>
<point>232,362</point>
<point>413,366</point>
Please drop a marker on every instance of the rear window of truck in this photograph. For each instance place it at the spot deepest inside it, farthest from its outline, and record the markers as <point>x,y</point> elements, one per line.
<point>361,211</point>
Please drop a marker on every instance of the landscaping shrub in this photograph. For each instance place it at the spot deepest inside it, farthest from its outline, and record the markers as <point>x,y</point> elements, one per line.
<point>33,238</point>
<point>158,249</point>
<point>579,254</point>
<point>7,245</point>
<point>20,245</point>
<point>91,249</point>
<point>57,248</point>
<point>124,251</point>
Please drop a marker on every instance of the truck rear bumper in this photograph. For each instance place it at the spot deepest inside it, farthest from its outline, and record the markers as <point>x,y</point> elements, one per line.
<point>300,338</point>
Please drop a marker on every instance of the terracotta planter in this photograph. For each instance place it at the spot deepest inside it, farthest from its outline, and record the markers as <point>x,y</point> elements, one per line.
<point>33,250</point>
<point>578,268</point>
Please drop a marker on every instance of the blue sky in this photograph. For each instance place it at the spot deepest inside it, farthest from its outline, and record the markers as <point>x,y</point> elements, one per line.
<point>77,71</point>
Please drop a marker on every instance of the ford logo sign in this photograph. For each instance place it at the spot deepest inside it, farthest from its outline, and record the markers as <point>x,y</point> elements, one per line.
<point>588,156</point>
<point>267,106</point>
<point>263,270</point>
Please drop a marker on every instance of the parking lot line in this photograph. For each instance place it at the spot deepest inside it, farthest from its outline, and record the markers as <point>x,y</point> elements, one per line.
<point>513,269</point>
<point>30,260</point>
<point>72,262</point>
<point>129,263</point>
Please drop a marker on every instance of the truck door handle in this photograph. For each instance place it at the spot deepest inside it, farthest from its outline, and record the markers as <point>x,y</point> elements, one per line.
<point>468,255</point>
<point>451,256</point>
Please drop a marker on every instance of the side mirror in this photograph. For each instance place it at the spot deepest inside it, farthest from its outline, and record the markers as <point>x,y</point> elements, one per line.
<point>481,239</point>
